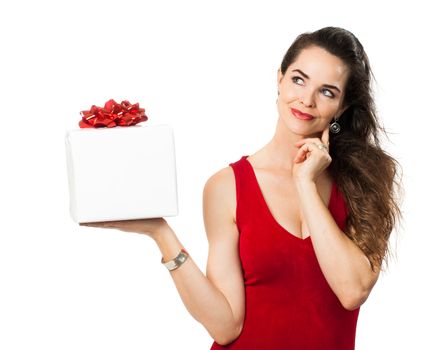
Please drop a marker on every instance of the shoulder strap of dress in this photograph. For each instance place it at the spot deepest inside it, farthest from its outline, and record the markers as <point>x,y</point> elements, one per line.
<point>244,189</point>
<point>240,176</point>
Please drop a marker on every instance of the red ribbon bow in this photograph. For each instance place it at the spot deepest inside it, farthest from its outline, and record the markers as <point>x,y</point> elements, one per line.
<point>113,114</point>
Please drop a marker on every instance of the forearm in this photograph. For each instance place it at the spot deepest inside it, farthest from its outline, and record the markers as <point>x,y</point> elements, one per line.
<point>201,298</point>
<point>343,263</point>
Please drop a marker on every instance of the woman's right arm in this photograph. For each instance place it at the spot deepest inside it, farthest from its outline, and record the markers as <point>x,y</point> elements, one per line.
<point>216,299</point>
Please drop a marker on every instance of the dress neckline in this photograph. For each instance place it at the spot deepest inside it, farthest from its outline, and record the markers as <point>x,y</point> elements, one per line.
<point>268,211</point>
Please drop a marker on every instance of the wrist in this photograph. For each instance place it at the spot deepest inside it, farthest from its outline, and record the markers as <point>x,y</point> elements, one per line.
<point>305,187</point>
<point>305,184</point>
<point>162,234</point>
<point>168,243</point>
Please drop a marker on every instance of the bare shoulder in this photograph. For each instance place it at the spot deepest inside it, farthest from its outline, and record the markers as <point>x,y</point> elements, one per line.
<point>221,187</point>
<point>223,176</point>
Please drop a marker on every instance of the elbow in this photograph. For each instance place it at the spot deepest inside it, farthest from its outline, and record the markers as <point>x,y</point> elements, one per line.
<point>355,294</point>
<point>229,336</point>
<point>354,299</point>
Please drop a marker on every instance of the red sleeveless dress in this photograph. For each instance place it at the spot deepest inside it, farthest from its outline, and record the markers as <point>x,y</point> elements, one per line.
<point>289,304</point>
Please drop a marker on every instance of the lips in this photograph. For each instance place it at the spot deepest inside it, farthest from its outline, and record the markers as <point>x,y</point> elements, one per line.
<point>300,115</point>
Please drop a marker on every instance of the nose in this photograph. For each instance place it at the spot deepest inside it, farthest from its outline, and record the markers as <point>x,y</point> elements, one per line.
<point>307,98</point>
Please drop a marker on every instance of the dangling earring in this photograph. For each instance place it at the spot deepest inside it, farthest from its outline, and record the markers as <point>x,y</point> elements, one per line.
<point>335,127</point>
<point>278,93</point>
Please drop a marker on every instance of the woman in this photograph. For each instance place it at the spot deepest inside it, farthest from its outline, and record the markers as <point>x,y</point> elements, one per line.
<point>297,231</point>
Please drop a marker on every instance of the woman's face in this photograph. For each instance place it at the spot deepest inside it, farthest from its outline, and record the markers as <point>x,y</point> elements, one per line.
<point>313,84</point>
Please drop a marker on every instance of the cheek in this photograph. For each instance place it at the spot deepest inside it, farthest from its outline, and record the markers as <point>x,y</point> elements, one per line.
<point>327,109</point>
<point>288,94</point>
<point>288,97</point>
<point>327,121</point>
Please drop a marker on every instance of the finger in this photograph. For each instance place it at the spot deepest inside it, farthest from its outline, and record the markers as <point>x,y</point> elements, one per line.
<point>326,136</point>
<point>299,158</point>
<point>315,140</point>
<point>300,143</point>
<point>95,224</point>
<point>301,153</point>
<point>88,224</point>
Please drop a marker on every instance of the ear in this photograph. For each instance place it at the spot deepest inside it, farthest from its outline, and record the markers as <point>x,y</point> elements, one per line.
<point>279,77</point>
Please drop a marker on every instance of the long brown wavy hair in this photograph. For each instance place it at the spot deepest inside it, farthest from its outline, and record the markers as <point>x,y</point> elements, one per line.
<point>368,177</point>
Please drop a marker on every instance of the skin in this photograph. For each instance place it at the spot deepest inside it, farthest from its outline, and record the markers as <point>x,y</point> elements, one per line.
<point>292,173</point>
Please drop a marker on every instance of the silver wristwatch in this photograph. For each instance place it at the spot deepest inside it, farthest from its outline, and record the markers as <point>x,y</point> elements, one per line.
<point>177,261</point>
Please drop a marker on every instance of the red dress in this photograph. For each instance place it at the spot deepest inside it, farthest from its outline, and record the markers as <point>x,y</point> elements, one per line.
<point>289,304</point>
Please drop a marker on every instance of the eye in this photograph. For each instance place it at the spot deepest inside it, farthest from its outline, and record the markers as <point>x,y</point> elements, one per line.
<point>294,79</point>
<point>331,95</point>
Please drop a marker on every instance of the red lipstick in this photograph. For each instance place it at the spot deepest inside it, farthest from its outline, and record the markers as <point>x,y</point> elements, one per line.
<point>300,115</point>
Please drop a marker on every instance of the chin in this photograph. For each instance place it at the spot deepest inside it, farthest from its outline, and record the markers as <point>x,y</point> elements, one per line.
<point>297,127</point>
<point>300,131</point>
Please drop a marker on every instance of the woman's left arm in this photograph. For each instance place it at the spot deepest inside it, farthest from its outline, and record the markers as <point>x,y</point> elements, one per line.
<point>344,265</point>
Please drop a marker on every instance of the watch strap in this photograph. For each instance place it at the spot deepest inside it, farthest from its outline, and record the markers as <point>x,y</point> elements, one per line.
<point>177,261</point>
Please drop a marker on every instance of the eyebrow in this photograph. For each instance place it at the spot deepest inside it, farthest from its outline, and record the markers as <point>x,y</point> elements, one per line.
<point>326,85</point>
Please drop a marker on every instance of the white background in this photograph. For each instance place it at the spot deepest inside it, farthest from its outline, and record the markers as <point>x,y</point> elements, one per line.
<point>209,70</point>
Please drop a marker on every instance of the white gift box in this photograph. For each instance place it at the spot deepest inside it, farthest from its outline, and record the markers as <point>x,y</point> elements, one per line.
<point>121,173</point>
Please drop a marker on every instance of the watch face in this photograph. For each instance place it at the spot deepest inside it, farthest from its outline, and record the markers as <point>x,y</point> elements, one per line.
<point>182,258</point>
